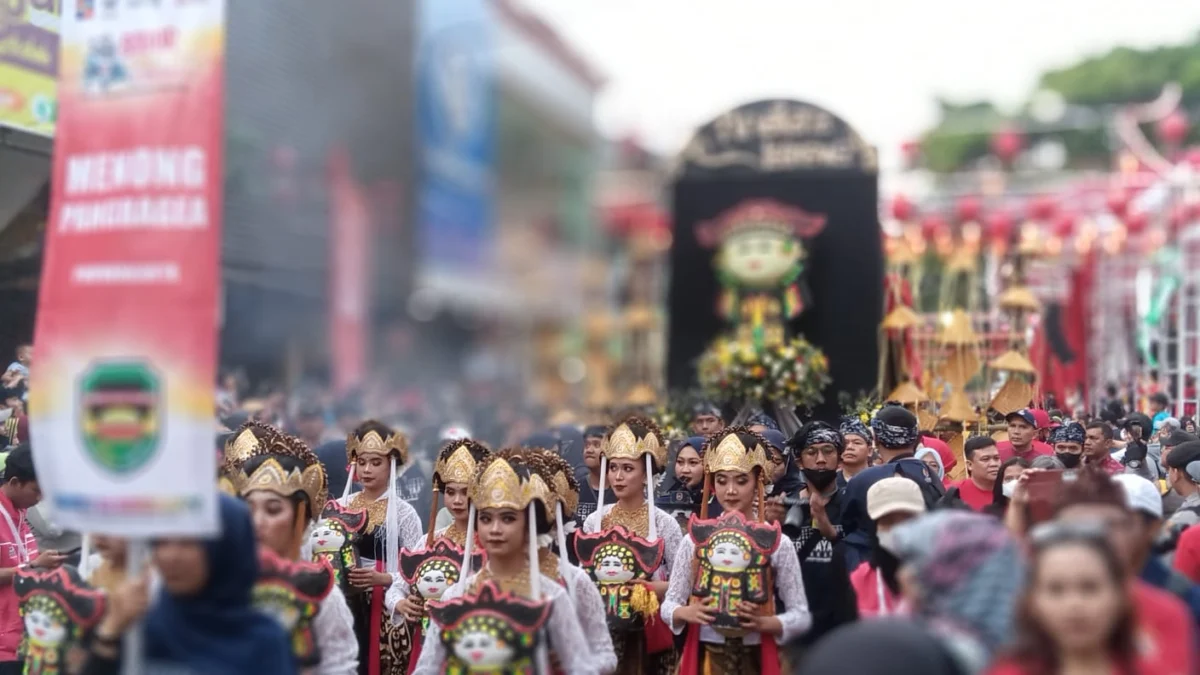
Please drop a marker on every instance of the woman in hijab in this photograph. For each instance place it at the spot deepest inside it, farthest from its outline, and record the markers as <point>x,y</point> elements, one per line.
<point>202,620</point>
<point>682,497</point>
<point>961,574</point>
<point>933,460</point>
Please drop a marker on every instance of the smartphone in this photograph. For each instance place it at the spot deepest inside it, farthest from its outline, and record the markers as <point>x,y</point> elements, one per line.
<point>1043,488</point>
<point>71,552</point>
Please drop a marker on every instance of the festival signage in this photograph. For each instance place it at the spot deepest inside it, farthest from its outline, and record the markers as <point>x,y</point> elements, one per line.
<point>456,121</point>
<point>28,64</point>
<point>122,396</point>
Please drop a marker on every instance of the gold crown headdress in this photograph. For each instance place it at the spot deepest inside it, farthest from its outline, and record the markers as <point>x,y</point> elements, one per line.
<point>557,474</point>
<point>270,475</point>
<point>457,464</point>
<point>499,486</point>
<point>374,443</point>
<point>731,454</point>
<point>623,443</point>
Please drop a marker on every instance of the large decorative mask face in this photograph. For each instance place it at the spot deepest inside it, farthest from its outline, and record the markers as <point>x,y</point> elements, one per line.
<point>483,651</point>
<point>327,537</point>
<point>612,570</point>
<point>728,557</point>
<point>44,629</point>
<point>759,258</point>
<point>432,584</point>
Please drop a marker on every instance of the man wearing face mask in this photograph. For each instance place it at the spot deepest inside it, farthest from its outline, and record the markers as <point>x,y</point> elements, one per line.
<point>814,525</point>
<point>876,583</point>
<point>1068,444</point>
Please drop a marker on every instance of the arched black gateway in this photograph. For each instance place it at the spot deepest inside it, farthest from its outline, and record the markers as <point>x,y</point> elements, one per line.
<point>806,166</point>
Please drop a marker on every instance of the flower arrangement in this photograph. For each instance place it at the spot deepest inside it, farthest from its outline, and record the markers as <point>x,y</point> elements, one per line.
<point>671,421</point>
<point>864,406</point>
<point>792,373</point>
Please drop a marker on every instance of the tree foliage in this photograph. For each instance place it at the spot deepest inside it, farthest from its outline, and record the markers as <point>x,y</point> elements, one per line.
<point>1120,76</point>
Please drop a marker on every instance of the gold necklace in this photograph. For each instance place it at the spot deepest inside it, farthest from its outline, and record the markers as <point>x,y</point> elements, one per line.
<point>455,534</point>
<point>517,584</point>
<point>636,520</point>
<point>376,509</point>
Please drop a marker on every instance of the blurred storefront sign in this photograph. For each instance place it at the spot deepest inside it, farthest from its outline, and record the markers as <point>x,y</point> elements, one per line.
<point>456,127</point>
<point>29,65</point>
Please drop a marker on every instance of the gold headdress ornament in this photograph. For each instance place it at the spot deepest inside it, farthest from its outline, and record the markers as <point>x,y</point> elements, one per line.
<point>557,474</point>
<point>457,464</point>
<point>247,441</point>
<point>270,475</point>
<point>726,452</point>
<point>373,442</point>
<point>500,486</point>
<point>623,443</point>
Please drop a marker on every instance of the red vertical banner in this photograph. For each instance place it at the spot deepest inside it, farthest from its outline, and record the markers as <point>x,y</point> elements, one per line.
<point>126,339</point>
<point>350,270</point>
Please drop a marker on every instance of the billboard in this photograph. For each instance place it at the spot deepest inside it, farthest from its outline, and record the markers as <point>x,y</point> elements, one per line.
<point>456,133</point>
<point>29,65</point>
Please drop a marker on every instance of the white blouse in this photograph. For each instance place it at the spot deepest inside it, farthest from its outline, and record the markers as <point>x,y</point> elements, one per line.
<point>667,529</point>
<point>796,618</point>
<point>589,607</point>
<point>410,527</point>
<point>334,629</point>
<point>563,627</point>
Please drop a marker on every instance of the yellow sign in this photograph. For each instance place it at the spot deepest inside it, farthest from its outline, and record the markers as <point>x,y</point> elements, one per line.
<point>29,64</point>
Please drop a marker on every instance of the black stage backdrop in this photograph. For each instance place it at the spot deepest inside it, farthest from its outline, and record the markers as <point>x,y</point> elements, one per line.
<point>845,263</point>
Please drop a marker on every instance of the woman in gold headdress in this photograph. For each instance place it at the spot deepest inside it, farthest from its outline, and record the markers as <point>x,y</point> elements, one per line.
<point>510,508</point>
<point>284,484</point>
<point>727,571</point>
<point>378,456</point>
<point>455,469</point>
<point>632,454</point>
<point>589,606</point>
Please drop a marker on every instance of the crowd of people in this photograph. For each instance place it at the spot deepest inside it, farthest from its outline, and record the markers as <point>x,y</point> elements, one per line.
<point>351,546</point>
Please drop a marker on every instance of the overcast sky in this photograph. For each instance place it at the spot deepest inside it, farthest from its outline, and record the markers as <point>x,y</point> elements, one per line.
<point>673,64</point>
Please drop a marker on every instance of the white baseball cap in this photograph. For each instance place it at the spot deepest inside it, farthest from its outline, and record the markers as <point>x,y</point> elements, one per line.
<point>1140,495</point>
<point>894,495</point>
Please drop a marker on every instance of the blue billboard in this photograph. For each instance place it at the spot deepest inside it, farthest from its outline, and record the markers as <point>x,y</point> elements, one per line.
<point>456,133</point>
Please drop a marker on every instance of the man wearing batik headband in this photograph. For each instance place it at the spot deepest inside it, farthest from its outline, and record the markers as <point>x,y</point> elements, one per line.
<point>378,457</point>
<point>706,419</point>
<point>856,453</point>
<point>1068,444</point>
<point>896,439</point>
<point>634,454</point>
<point>509,512</point>
<point>736,467</point>
<point>284,485</point>
<point>815,526</point>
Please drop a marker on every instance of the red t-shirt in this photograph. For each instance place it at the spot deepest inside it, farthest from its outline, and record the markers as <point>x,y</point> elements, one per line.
<point>1166,641</point>
<point>1187,554</point>
<point>1037,449</point>
<point>974,496</point>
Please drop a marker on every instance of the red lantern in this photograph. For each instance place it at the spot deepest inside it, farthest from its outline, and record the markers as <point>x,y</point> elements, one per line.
<point>932,225</point>
<point>1137,223</point>
<point>1118,203</point>
<point>967,209</point>
<point>902,209</point>
<point>1007,143</point>
<point>1043,208</point>
<point>999,227</point>
<point>1064,226</point>
<point>911,151</point>
<point>1173,129</point>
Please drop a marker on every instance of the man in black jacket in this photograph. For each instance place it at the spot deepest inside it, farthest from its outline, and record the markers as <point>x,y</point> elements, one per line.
<point>814,524</point>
